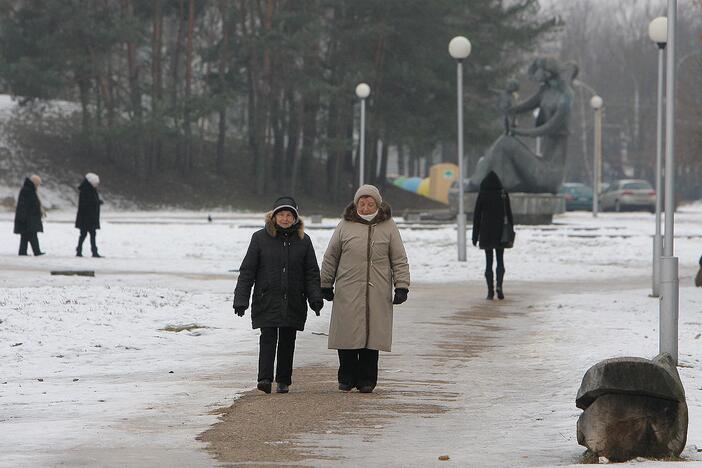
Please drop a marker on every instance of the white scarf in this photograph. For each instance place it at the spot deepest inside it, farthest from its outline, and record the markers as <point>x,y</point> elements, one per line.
<point>369,217</point>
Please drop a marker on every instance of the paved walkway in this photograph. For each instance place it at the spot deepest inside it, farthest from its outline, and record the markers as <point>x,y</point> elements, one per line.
<point>485,383</point>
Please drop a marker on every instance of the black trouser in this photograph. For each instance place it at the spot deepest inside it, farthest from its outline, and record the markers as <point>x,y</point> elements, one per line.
<point>284,338</point>
<point>93,244</point>
<point>29,238</point>
<point>358,367</point>
<point>499,270</point>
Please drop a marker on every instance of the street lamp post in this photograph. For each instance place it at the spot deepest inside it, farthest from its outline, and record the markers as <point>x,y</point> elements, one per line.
<point>658,32</point>
<point>596,103</point>
<point>460,48</point>
<point>362,91</point>
<point>669,263</point>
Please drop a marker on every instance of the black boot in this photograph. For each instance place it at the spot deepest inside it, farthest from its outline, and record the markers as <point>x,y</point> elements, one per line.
<point>500,277</point>
<point>264,385</point>
<point>282,388</point>
<point>491,290</point>
<point>79,252</point>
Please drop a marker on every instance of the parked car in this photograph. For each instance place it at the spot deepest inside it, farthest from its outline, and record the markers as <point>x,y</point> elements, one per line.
<point>577,196</point>
<point>628,195</point>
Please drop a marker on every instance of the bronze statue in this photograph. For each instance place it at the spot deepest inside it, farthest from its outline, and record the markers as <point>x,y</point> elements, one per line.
<point>519,168</point>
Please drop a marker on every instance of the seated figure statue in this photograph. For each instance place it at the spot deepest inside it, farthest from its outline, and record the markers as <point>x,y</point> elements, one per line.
<point>519,168</point>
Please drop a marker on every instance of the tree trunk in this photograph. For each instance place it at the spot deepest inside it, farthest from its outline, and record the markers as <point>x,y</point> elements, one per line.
<point>135,96</point>
<point>222,72</point>
<point>107,90</point>
<point>383,170</point>
<point>157,84</point>
<point>278,136</point>
<point>401,163</point>
<point>187,124</point>
<point>310,109</point>
<point>371,163</point>
<point>291,152</point>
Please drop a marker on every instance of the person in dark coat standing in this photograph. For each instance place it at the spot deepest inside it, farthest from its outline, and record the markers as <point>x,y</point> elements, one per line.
<point>281,266</point>
<point>28,216</point>
<point>493,228</point>
<point>88,216</point>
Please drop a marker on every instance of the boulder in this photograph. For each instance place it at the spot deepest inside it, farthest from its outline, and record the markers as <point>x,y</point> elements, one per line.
<point>633,407</point>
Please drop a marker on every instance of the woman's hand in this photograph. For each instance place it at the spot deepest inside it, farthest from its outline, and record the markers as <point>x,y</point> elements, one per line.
<point>400,296</point>
<point>328,294</point>
<point>317,306</point>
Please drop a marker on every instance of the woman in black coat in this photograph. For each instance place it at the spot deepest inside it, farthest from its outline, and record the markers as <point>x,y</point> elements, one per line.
<point>28,216</point>
<point>493,228</point>
<point>88,216</point>
<point>282,268</point>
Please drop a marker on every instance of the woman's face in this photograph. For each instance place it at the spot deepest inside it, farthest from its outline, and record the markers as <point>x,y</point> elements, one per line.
<point>367,205</point>
<point>284,219</point>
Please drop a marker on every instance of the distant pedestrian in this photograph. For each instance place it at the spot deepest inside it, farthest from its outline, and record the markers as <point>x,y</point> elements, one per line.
<point>493,229</point>
<point>365,259</point>
<point>281,266</point>
<point>88,216</point>
<point>28,216</point>
<point>698,276</point>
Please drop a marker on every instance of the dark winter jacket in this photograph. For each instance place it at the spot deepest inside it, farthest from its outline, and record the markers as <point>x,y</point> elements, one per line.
<point>489,213</point>
<point>88,217</point>
<point>28,212</point>
<point>282,268</point>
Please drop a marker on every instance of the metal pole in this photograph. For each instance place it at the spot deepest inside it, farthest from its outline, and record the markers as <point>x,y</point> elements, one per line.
<point>363,142</point>
<point>461,217</point>
<point>658,238</point>
<point>668,334</point>
<point>669,263</point>
<point>597,163</point>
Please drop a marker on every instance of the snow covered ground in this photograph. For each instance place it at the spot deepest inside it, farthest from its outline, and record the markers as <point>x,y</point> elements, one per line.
<point>86,361</point>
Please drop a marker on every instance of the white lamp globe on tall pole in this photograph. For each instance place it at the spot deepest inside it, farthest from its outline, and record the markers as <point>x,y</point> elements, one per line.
<point>670,283</point>
<point>460,49</point>
<point>362,92</point>
<point>658,32</point>
<point>596,103</point>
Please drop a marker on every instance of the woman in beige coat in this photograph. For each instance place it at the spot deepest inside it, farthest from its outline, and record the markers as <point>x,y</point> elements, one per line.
<point>365,259</point>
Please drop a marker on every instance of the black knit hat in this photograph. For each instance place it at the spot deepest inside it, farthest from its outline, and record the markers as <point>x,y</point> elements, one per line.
<point>286,203</point>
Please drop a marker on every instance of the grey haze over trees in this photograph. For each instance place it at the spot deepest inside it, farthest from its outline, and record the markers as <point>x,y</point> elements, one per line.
<point>260,91</point>
<point>609,40</point>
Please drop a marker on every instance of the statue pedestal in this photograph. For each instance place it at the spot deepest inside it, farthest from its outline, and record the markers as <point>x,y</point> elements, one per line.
<point>527,208</point>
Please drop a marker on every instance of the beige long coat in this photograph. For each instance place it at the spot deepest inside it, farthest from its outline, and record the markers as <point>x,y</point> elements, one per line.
<point>363,261</point>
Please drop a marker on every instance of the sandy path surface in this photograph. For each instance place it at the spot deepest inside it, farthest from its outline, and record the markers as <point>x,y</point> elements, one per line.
<point>436,394</point>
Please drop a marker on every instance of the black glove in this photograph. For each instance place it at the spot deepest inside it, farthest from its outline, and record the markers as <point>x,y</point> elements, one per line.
<point>239,311</point>
<point>400,296</point>
<point>317,306</point>
<point>475,242</point>
<point>328,294</point>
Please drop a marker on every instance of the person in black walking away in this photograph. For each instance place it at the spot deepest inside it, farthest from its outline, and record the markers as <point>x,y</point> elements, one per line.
<point>28,216</point>
<point>493,229</point>
<point>88,216</point>
<point>281,266</point>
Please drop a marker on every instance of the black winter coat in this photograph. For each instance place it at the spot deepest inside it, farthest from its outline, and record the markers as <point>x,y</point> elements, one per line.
<point>282,268</point>
<point>489,213</point>
<point>28,212</point>
<point>88,216</point>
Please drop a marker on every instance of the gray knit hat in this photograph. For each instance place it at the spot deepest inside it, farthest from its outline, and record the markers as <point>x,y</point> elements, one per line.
<point>286,203</point>
<point>368,191</point>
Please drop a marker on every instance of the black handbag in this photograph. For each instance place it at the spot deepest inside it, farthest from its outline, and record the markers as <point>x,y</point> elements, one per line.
<point>508,234</point>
